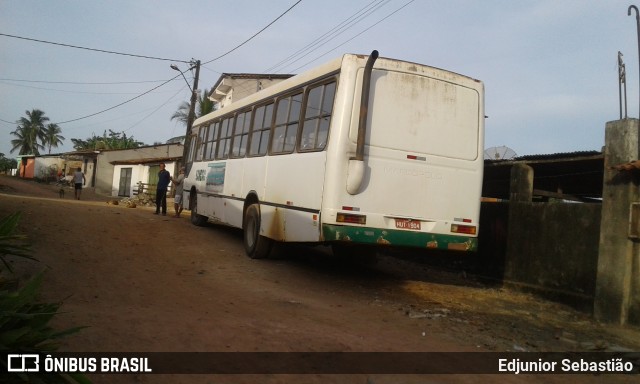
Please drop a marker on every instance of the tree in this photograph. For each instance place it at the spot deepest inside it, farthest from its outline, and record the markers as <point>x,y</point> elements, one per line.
<point>114,140</point>
<point>52,136</point>
<point>203,106</point>
<point>7,164</point>
<point>30,129</point>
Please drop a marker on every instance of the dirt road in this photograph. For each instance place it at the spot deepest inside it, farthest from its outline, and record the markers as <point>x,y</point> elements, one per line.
<point>145,283</point>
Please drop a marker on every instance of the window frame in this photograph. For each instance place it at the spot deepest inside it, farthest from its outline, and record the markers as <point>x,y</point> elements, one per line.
<point>247,124</point>
<point>208,151</point>
<point>263,128</point>
<point>305,118</point>
<point>200,147</point>
<point>228,138</point>
<point>288,123</point>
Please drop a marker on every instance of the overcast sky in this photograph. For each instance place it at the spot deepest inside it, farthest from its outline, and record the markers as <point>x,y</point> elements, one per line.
<point>550,67</point>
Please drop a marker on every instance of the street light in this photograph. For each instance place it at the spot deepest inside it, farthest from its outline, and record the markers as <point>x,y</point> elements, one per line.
<point>175,67</point>
<point>192,110</point>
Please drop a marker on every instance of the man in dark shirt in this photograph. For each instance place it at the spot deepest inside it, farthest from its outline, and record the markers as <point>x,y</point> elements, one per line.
<point>164,177</point>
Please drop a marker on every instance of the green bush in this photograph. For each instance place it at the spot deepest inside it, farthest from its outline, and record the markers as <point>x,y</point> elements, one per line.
<point>24,320</point>
<point>12,243</point>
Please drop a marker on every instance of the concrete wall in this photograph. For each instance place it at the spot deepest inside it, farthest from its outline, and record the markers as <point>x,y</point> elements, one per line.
<point>46,167</point>
<point>105,170</point>
<point>586,255</point>
<point>26,171</point>
<point>492,240</point>
<point>139,174</point>
<point>241,88</point>
<point>553,250</point>
<point>618,284</point>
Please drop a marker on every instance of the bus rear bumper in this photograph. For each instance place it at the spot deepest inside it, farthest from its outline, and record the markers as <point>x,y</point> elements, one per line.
<point>401,238</point>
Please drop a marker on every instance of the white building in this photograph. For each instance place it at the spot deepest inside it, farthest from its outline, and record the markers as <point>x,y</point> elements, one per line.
<point>232,87</point>
<point>119,171</point>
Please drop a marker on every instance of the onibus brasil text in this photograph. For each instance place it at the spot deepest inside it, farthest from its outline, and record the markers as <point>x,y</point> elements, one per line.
<point>78,364</point>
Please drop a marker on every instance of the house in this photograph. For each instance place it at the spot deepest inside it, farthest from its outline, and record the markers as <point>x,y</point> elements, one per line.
<point>26,166</point>
<point>119,172</point>
<point>46,167</point>
<point>232,87</point>
<point>86,160</point>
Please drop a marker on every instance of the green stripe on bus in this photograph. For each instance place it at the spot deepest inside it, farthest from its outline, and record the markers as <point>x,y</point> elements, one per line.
<point>395,237</point>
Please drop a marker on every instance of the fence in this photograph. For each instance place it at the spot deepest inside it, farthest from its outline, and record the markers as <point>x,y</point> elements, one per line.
<point>150,189</point>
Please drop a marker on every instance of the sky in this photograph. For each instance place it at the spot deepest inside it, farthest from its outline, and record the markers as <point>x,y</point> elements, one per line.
<point>550,68</point>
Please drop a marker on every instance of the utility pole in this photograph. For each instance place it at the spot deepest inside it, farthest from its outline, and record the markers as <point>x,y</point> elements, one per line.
<point>192,111</point>
<point>638,33</point>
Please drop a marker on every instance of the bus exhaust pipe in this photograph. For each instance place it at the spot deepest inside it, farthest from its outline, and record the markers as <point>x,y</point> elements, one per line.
<point>356,164</point>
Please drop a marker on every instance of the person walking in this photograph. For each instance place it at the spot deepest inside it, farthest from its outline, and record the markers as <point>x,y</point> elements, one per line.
<point>164,177</point>
<point>79,180</point>
<point>177,199</point>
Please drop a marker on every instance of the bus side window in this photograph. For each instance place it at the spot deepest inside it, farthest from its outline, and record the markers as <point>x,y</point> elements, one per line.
<point>260,130</point>
<point>191,141</point>
<point>202,132</point>
<point>212,137</point>
<point>287,121</point>
<point>241,134</point>
<point>225,139</point>
<point>318,110</point>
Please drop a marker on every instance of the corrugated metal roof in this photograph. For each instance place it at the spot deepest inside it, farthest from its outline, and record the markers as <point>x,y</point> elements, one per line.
<point>148,160</point>
<point>573,173</point>
<point>577,155</point>
<point>560,155</point>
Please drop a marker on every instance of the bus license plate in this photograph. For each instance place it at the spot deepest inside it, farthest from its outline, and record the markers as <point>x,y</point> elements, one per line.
<point>407,224</point>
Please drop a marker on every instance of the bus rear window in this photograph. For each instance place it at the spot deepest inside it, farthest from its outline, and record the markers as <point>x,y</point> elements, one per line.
<point>420,114</point>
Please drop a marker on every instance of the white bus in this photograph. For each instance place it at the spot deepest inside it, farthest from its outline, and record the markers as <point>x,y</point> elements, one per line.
<point>357,153</point>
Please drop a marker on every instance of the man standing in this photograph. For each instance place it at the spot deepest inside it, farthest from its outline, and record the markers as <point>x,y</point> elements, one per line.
<point>177,185</point>
<point>164,177</point>
<point>79,180</point>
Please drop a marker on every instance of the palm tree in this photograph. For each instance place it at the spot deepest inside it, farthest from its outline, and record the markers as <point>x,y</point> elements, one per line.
<point>30,129</point>
<point>52,136</point>
<point>203,106</point>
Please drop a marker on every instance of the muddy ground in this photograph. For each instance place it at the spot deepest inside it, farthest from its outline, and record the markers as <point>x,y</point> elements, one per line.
<point>144,283</point>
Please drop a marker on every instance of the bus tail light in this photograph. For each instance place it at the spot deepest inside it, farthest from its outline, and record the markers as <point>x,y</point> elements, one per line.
<point>351,219</point>
<point>464,229</point>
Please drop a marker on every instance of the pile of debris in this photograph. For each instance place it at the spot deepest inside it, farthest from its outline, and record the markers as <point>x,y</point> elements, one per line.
<point>141,200</point>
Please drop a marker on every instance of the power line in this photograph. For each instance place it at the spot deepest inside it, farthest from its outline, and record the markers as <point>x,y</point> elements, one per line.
<point>82,83</point>
<point>70,91</point>
<point>353,37</point>
<point>145,57</point>
<point>118,105</point>
<point>256,34</point>
<point>91,49</point>
<point>155,110</point>
<point>332,33</point>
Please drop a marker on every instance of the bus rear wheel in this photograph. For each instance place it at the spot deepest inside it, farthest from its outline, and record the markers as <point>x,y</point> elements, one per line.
<point>255,245</point>
<point>196,219</point>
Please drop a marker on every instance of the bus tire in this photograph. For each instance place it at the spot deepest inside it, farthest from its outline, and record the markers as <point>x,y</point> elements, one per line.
<point>196,219</point>
<point>255,245</point>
